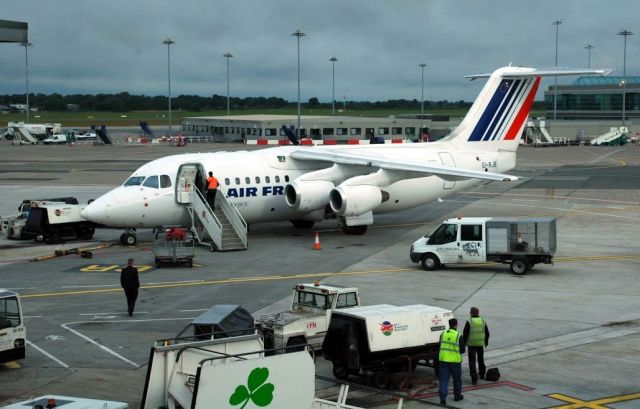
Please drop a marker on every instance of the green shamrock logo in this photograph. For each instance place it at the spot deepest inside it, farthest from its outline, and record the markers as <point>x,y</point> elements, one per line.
<point>259,392</point>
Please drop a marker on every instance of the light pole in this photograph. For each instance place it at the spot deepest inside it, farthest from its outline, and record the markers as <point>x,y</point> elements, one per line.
<point>422,100</point>
<point>555,79</point>
<point>26,46</point>
<point>625,33</point>
<point>589,47</point>
<point>228,55</point>
<point>168,42</point>
<point>333,84</point>
<point>298,34</point>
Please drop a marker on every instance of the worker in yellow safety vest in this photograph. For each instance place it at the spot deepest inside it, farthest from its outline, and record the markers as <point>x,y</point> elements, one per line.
<point>476,337</point>
<point>450,362</point>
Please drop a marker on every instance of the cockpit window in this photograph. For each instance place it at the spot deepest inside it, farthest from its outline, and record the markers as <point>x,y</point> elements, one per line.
<point>165,181</point>
<point>151,181</point>
<point>134,181</point>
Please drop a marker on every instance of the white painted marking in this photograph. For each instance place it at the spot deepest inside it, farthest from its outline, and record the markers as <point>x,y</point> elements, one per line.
<point>90,286</point>
<point>199,310</point>
<point>43,352</point>
<point>104,348</point>
<point>32,316</point>
<point>54,338</point>
<point>114,313</point>
<point>175,282</point>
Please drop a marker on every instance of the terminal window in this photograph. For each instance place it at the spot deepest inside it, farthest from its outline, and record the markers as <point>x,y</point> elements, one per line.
<point>341,131</point>
<point>355,131</point>
<point>327,131</point>
<point>396,130</point>
<point>383,131</point>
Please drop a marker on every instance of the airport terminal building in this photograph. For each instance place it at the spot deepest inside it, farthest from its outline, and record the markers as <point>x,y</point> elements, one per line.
<point>595,98</point>
<point>325,129</point>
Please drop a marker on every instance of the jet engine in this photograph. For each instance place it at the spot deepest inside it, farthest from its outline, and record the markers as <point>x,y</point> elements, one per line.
<point>308,195</point>
<point>347,200</point>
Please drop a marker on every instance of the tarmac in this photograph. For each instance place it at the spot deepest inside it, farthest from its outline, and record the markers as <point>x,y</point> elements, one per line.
<point>565,335</point>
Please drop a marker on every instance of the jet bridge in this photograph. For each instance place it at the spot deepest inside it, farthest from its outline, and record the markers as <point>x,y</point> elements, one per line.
<point>222,229</point>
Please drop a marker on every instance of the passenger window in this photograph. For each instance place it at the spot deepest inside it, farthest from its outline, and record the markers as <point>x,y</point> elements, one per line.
<point>267,179</point>
<point>471,232</point>
<point>286,178</point>
<point>237,181</point>
<point>247,180</point>
<point>257,179</point>
<point>277,179</point>
<point>165,181</point>
<point>151,181</point>
<point>227,181</point>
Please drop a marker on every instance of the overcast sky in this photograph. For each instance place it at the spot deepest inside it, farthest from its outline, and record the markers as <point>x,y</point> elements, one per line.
<point>82,46</point>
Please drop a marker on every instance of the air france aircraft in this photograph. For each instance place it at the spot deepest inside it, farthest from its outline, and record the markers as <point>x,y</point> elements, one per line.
<point>307,184</point>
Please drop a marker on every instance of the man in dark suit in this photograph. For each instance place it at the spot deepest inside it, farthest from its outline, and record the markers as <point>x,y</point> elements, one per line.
<point>130,283</point>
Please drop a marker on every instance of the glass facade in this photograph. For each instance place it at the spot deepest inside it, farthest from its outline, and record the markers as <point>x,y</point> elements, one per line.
<point>595,98</point>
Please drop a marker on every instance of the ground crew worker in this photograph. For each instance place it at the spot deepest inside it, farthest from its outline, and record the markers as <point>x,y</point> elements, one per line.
<point>476,337</point>
<point>450,362</point>
<point>130,283</point>
<point>212,189</point>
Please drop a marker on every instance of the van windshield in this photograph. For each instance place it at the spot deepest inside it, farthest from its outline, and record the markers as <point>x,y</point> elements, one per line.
<point>9,313</point>
<point>134,181</point>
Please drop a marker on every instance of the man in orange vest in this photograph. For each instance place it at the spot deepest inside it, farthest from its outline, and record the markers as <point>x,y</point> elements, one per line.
<point>212,189</point>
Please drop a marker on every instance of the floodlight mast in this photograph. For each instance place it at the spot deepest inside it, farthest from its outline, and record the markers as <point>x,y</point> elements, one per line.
<point>555,79</point>
<point>422,100</point>
<point>26,46</point>
<point>298,34</point>
<point>625,33</point>
<point>169,42</point>
<point>589,47</point>
<point>333,84</point>
<point>228,56</point>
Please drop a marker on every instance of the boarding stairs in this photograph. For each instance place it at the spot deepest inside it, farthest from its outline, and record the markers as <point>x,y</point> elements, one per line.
<point>102,134</point>
<point>22,136</point>
<point>147,130</point>
<point>613,137</point>
<point>537,134</point>
<point>222,229</point>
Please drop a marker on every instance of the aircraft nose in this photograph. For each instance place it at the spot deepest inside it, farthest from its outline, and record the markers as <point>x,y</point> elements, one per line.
<point>98,211</point>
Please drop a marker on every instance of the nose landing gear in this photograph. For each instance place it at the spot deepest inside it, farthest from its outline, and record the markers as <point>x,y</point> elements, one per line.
<point>128,238</point>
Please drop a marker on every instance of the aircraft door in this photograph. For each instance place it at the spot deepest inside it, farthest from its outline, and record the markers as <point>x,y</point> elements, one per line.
<point>472,249</point>
<point>190,176</point>
<point>447,160</point>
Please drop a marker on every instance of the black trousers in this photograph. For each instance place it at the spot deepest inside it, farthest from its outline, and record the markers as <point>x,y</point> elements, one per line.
<point>211,198</point>
<point>479,353</point>
<point>132,296</point>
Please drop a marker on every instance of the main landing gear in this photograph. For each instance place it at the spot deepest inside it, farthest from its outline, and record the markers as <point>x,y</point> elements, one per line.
<point>128,238</point>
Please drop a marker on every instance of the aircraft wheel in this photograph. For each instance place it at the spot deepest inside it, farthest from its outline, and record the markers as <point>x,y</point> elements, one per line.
<point>430,262</point>
<point>296,344</point>
<point>340,372</point>
<point>212,247</point>
<point>128,239</point>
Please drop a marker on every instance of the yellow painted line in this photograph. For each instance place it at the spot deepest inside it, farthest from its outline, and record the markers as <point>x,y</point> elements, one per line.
<point>236,280</point>
<point>576,403</point>
<point>12,365</point>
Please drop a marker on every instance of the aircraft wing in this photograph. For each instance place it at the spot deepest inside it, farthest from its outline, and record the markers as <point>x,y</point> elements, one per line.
<point>390,164</point>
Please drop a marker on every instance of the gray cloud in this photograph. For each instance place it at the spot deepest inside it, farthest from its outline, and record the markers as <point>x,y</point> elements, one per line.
<point>89,47</point>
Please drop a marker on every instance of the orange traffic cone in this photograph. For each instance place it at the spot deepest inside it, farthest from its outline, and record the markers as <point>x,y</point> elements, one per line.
<point>316,243</point>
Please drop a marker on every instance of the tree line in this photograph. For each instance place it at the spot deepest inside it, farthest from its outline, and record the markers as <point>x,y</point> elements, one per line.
<point>125,102</point>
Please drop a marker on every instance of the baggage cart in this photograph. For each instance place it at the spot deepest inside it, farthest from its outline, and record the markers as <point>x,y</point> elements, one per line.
<point>173,245</point>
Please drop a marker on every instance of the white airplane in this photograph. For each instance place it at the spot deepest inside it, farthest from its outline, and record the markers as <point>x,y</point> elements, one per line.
<point>306,184</point>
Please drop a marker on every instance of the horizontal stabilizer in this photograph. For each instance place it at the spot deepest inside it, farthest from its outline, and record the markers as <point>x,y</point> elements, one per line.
<point>545,72</point>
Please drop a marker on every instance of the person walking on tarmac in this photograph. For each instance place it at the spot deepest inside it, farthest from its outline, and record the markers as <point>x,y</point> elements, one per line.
<point>450,362</point>
<point>476,337</point>
<point>130,283</point>
<point>212,189</point>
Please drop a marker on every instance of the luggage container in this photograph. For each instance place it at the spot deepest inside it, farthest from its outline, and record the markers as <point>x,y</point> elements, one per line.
<point>173,245</point>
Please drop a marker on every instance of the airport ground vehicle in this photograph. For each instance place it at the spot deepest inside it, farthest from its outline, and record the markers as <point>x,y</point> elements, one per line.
<point>306,322</point>
<point>174,245</point>
<point>519,242</point>
<point>54,222</point>
<point>377,340</point>
<point>13,334</point>
<point>13,225</point>
<point>68,402</point>
<point>58,139</point>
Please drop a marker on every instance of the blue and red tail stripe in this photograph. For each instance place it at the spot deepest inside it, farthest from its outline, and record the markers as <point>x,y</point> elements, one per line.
<point>524,112</point>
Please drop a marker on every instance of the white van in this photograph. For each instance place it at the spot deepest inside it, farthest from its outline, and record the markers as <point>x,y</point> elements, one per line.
<point>56,139</point>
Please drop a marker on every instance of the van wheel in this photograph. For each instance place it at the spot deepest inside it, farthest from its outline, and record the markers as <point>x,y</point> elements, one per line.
<point>340,372</point>
<point>430,262</point>
<point>519,266</point>
<point>381,379</point>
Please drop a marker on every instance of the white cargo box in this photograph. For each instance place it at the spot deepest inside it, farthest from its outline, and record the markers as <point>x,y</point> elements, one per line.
<point>68,402</point>
<point>394,327</point>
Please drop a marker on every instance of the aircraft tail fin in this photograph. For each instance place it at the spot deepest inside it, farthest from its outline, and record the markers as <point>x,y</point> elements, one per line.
<point>498,115</point>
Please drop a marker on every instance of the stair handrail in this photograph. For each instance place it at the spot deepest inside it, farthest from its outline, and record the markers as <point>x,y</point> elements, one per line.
<point>217,238</point>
